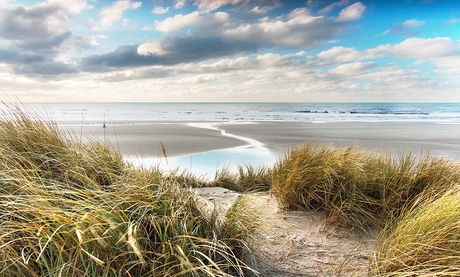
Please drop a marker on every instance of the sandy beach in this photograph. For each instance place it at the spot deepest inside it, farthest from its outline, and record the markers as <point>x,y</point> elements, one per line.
<point>144,140</point>
<point>184,138</point>
<point>388,137</point>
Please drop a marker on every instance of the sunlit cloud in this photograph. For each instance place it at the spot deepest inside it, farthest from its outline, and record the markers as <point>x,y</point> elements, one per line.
<point>113,13</point>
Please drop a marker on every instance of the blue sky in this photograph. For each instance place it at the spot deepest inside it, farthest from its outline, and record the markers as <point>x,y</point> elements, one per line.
<point>230,50</point>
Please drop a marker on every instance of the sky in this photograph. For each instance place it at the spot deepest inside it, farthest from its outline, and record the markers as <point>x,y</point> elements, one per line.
<point>230,50</point>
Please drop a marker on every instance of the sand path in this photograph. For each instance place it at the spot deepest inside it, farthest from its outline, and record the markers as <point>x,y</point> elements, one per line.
<point>297,243</point>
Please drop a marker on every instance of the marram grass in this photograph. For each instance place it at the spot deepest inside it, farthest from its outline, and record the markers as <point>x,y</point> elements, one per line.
<point>357,188</point>
<point>425,241</point>
<point>69,208</point>
<point>413,202</point>
<point>248,178</point>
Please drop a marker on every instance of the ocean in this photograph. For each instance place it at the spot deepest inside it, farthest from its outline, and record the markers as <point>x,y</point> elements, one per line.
<point>216,116</point>
<point>97,113</point>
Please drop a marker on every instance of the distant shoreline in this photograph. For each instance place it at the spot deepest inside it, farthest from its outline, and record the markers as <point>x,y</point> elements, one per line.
<point>182,138</point>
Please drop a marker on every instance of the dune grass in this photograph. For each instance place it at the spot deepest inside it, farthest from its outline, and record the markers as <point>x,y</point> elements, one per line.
<point>248,178</point>
<point>355,188</point>
<point>69,208</point>
<point>414,203</point>
<point>425,241</point>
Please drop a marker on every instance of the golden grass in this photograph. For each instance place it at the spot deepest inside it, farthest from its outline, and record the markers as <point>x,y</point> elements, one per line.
<point>247,179</point>
<point>425,241</point>
<point>69,208</point>
<point>413,202</point>
<point>357,188</point>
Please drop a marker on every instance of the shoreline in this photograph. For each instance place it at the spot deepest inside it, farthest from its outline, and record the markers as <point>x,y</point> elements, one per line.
<point>217,144</point>
<point>389,137</point>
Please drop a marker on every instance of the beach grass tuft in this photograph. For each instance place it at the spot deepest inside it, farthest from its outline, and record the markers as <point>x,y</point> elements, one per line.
<point>413,203</point>
<point>425,241</point>
<point>247,178</point>
<point>356,188</point>
<point>73,208</point>
<point>70,208</point>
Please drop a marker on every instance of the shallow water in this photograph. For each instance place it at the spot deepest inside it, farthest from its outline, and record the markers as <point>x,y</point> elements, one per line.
<point>206,164</point>
<point>218,117</point>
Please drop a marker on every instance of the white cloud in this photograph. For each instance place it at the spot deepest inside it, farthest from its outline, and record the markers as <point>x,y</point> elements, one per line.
<point>447,62</point>
<point>151,47</point>
<point>419,61</point>
<point>413,23</point>
<point>147,28</point>
<point>179,4</point>
<point>78,44</point>
<point>210,5</point>
<point>352,12</point>
<point>177,22</point>
<point>72,6</point>
<point>230,65</point>
<point>198,37</point>
<point>301,29</point>
<point>407,28</point>
<point>443,52</point>
<point>340,54</point>
<point>454,72</point>
<point>300,15</point>
<point>25,23</point>
<point>203,23</point>
<point>297,29</point>
<point>114,13</point>
<point>211,52</point>
<point>426,48</point>
<point>277,61</point>
<point>125,22</point>
<point>260,10</point>
<point>352,69</point>
<point>332,6</point>
<point>160,10</point>
<point>450,22</point>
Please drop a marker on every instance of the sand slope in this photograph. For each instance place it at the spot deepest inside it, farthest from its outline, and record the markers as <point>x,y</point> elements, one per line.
<point>297,243</point>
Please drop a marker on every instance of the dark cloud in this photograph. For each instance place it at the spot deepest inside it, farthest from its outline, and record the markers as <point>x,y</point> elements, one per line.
<point>39,69</point>
<point>34,64</point>
<point>19,22</point>
<point>195,48</point>
<point>37,37</point>
<point>198,40</point>
<point>123,56</point>
<point>15,57</point>
<point>32,39</point>
<point>176,50</point>
<point>45,45</point>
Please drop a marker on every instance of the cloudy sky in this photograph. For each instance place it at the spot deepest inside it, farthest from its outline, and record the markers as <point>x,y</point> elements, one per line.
<point>230,50</point>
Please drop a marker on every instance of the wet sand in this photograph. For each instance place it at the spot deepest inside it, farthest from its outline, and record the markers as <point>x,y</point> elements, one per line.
<point>145,140</point>
<point>180,139</point>
<point>393,138</point>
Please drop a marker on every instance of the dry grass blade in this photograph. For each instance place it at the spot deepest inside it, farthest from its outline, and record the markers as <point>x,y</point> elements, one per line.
<point>70,208</point>
<point>356,188</point>
<point>425,241</point>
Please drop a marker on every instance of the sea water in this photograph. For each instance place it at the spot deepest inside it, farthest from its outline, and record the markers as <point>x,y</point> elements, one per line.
<point>204,115</point>
<point>95,113</point>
